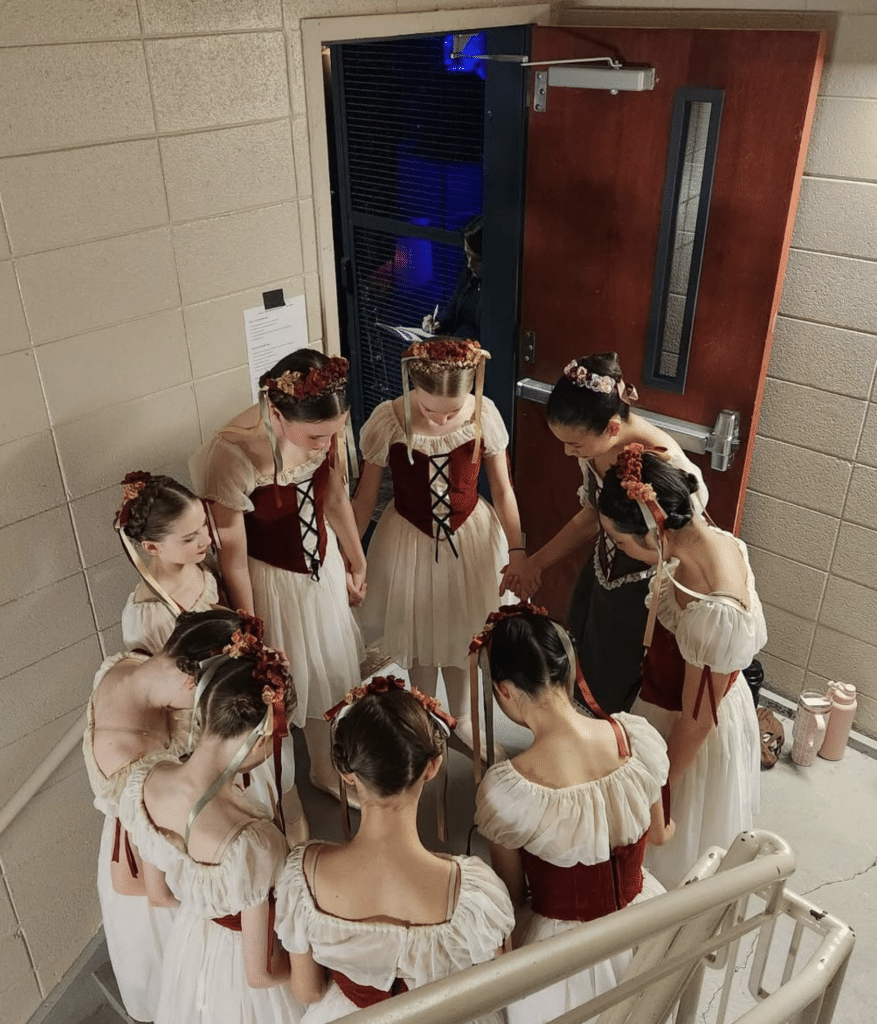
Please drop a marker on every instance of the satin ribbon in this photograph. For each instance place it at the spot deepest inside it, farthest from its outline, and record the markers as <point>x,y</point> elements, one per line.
<point>386,684</point>
<point>479,658</point>
<point>482,356</point>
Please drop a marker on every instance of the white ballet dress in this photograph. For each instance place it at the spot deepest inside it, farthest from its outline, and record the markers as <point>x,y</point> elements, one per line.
<point>305,610</point>
<point>580,829</point>
<point>146,625</point>
<point>136,933</point>
<point>204,979</point>
<point>379,955</point>
<point>432,585</point>
<point>719,794</point>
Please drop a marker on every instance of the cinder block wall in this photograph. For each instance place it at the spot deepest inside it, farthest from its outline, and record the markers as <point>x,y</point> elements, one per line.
<point>154,180</point>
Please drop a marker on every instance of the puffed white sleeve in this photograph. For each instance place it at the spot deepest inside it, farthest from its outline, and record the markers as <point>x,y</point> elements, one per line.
<point>378,434</point>
<point>493,430</point>
<point>718,634</point>
<point>221,472</point>
<point>146,625</point>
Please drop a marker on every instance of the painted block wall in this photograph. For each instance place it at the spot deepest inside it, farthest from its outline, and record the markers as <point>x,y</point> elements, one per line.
<point>154,180</point>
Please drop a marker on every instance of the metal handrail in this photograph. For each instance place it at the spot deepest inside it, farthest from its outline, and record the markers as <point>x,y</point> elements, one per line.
<point>488,987</point>
<point>42,773</point>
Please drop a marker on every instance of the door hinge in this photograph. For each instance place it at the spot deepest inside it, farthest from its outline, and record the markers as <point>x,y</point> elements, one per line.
<point>540,91</point>
<point>528,348</point>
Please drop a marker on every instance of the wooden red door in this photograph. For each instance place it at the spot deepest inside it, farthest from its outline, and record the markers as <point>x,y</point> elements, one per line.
<point>595,177</point>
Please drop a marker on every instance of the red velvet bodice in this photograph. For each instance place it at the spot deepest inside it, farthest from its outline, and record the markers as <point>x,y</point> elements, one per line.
<point>412,492</point>
<point>585,892</point>
<point>364,995</point>
<point>275,529</point>
<point>664,675</point>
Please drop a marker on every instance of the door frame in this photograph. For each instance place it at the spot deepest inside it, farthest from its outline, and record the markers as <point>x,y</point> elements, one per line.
<point>318,31</point>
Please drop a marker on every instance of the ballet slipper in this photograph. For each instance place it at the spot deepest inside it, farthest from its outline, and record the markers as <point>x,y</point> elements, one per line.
<point>463,732</point>
<point>297,828</point>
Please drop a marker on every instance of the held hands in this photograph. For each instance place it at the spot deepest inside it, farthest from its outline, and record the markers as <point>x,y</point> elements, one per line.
<point>520,576</point>
<point>354,576</point>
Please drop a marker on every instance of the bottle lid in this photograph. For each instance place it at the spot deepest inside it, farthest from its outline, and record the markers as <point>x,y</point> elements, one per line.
<point>843,693</point>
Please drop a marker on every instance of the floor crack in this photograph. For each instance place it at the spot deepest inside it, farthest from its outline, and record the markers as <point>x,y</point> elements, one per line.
<point>837,881</point>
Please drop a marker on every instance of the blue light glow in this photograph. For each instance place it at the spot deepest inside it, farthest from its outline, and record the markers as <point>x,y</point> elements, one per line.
<point>466,62</point>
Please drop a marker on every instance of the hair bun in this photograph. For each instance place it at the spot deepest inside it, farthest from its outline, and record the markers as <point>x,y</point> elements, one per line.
<point>692,482</point>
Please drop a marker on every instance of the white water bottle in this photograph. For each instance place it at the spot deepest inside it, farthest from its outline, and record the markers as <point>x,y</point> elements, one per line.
<point>811,721</point>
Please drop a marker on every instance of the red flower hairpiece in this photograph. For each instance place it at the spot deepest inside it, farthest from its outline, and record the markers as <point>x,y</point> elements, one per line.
<point>509,611</point>
<point>247,639</point>
<point>315,383</point>
<point>377,685</point>
<point>459,352</point>
<point>629,469</point>
<point>434,707</point>
<point>387,684</point>
<point>132,485</point>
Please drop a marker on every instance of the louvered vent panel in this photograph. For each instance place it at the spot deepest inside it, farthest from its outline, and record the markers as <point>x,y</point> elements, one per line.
<point>398,281</point>
<point>413,129</point>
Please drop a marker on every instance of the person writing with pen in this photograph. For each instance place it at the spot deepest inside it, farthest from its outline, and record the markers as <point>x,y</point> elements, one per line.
<point>461,316</point>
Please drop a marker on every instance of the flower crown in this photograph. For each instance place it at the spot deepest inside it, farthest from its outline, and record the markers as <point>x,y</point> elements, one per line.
<point>458,353</point>
<point>132,487</point>
<point>314,383</point>
<point>584,378</point>
<point>509,611</point>
<point>387,684</point>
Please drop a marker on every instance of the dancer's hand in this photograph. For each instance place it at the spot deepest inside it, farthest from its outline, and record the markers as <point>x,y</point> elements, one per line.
<point>529,579</point>
<point>354,576</point>
<point>511,573</point>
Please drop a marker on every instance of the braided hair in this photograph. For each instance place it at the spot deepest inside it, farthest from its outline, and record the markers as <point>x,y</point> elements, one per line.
<point>152,513</point>
<point>386,740</point>
<point>327,406</point>
<point>200,635</point>
<point>233,702</point>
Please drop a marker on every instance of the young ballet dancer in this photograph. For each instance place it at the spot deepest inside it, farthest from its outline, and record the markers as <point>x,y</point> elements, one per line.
<point>382,915</point>
<point>589,412</point>
<point>568,819</point>
<point>211,851</point>
<point>131,722</point>
<point>709,627</point>
<point>276,483</point>
<point>169,523</point>
<point>438,553</point>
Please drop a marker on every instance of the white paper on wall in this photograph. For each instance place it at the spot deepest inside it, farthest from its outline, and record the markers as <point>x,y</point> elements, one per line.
<point>273,334</point>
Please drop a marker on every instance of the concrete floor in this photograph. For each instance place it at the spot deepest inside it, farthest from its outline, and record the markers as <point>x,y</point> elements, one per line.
<point>827,813</point>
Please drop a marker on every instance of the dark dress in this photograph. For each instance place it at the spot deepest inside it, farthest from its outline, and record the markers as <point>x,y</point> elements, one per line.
<point>461,316</point>
<point>608,613</point>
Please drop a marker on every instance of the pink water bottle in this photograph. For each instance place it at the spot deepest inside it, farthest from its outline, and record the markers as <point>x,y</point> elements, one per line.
<point>808,732</point>
<point>840,721</point>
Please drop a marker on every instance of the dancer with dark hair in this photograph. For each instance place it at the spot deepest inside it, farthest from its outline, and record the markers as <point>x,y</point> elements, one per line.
<point>290,552</point>
<point>217,855</point>
<point>705,626</point>
<point>568,819</point>
<point>382,915</point>
<point>169,524</point>
<point>589,411</point>
<point>132,722</point>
